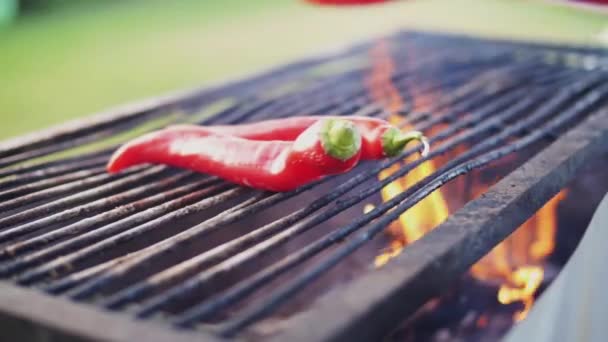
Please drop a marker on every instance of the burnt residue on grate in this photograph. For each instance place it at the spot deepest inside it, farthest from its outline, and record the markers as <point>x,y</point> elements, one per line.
<point>196,252</point>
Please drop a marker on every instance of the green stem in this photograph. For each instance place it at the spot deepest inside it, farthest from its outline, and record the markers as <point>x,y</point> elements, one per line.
<point>394,141</point>
<point>340,139</point>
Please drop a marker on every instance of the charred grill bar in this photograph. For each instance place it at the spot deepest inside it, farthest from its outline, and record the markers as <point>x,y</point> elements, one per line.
<point>135,242</point>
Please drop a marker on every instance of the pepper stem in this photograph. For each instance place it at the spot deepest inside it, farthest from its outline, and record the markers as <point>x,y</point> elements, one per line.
<point>394,141</point>
<point>340,139</point>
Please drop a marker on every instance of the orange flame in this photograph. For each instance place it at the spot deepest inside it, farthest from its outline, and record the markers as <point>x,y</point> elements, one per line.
<point>368,207</point>
<point>431,211</point>
<point>516,263</point>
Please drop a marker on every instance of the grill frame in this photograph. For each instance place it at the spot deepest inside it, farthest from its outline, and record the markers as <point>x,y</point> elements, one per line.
<point>89,326</point>
<point>28,315</point>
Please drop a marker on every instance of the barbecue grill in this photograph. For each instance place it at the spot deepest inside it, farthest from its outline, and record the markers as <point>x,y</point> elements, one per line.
<point>157,253</point>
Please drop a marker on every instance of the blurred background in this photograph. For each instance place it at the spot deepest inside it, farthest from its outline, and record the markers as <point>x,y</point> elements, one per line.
<point>61,59</point>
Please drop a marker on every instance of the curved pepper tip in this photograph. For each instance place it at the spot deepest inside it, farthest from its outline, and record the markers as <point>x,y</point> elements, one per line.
<point>113,166</point>
<point>394,141</point>
<point>119,160</point>
<point>340,139</point>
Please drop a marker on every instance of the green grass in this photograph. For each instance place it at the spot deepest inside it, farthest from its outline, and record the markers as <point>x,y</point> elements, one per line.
<point>77,60</point>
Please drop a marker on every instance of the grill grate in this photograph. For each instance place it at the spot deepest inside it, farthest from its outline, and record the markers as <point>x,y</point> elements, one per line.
<point>135,241</point>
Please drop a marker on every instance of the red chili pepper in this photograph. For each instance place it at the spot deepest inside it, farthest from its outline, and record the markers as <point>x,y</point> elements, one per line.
<point>380,139</point>
<point>327,147</point>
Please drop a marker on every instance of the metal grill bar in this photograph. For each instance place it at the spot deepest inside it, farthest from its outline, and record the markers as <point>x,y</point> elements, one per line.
<point>90,207</point>
<point>58,147</point>
<point>69,229</point>
<point>44,184</point>
<point>113,214</point>
<point>21,175</point>
<point>118,182</point>
<point>66,263</point>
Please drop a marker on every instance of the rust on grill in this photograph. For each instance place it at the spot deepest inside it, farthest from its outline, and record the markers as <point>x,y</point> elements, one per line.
<point>207,259</point>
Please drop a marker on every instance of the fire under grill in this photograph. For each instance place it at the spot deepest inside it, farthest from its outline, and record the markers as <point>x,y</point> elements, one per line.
<point>192,257</point>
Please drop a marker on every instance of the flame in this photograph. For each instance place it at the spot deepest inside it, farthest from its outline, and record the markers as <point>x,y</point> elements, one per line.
<point>526,280</point>
<point>516,263</point>
<point>431,211</point>
<point>368,207</point>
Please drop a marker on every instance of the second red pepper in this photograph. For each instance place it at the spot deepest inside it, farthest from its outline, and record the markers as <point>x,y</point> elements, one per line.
<point>380,139</point>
